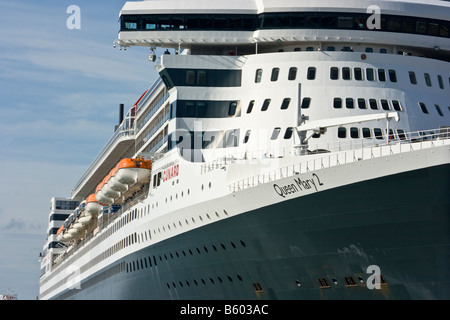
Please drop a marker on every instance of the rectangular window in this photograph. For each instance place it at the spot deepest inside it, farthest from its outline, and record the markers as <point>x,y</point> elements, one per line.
<point>190,77</point>
<point>250,106</point>
<point>438,109</point>
<point>311,73</point>
<point>373,104</point>
<point>275,72</point>
<point>433,29</point>
<point>342,132</point>
<point>412,77</point>
<point>131,25</point>
<point>306,103</point>
<point>366,132</point>
<point>440,81</point>
<point>149,24</point>
<point>265,105</point>
<point>362,103</point>
<point>292,73</point>
<point>201,78</point>
<point>201,109</point>
<point>401,134</point>
<point>258,76</point>
<point>427,79</point>
<point>378,133</point>
<point>247,136</point>
<point>275,133</point>
<point>381,75</point>
<point>337,103</point>
<point>349,104</point>
<point>370,76</point>
<point>354,132</point>
<point>285,103</point>
<point>288,133</point>
<point>232,108</point>
<point>423,107</point>
<point>346,74</point>
<point>334,73</point>
<point>385,104</point>
<point>396,105</point>
<point>392,75</point>
<point>358,74</point>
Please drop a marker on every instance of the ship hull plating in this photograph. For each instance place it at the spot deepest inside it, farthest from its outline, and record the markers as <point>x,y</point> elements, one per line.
<point>326,245</point>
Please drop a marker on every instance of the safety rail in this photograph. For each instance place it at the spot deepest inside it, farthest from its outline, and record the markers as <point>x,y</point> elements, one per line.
<point>315,161</point>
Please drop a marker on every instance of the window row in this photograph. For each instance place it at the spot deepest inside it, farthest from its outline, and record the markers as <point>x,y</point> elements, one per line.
<point>362,104</point>
<point>368,133</point>
<point>201,77</point>
<point>150,261</point>
<point>205,109</point>
<point>283,20</point>
<point>287,134</point>
<point>292,74</point>
<point>427,78</point>
<point>357,73</point>
<point>193,140</point>
<point>424,109</point>
<point>284,104</point>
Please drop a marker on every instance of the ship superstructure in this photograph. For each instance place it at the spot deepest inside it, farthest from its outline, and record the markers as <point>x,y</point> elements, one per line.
<point>286,150</point>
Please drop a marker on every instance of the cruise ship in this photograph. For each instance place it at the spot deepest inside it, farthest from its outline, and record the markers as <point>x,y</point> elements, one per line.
<point>288,150</point>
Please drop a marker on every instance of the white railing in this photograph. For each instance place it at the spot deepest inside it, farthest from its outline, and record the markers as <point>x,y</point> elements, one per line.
<point>315,161</point>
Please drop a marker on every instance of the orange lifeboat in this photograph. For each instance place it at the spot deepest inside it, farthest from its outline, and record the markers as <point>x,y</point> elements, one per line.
<point>124,175</point>
<point>107,190</point>
<point>131,171</point>
<point>92,206</point>
<point>101,197</point>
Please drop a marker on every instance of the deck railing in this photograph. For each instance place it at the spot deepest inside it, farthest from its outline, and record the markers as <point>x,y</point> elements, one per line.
<point>350,152</point>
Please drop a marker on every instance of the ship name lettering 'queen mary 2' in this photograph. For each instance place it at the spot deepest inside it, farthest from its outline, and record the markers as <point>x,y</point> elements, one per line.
<point>286,148</point>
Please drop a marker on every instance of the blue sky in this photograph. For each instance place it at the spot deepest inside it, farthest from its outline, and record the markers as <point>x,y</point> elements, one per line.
<point>60,91</point>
